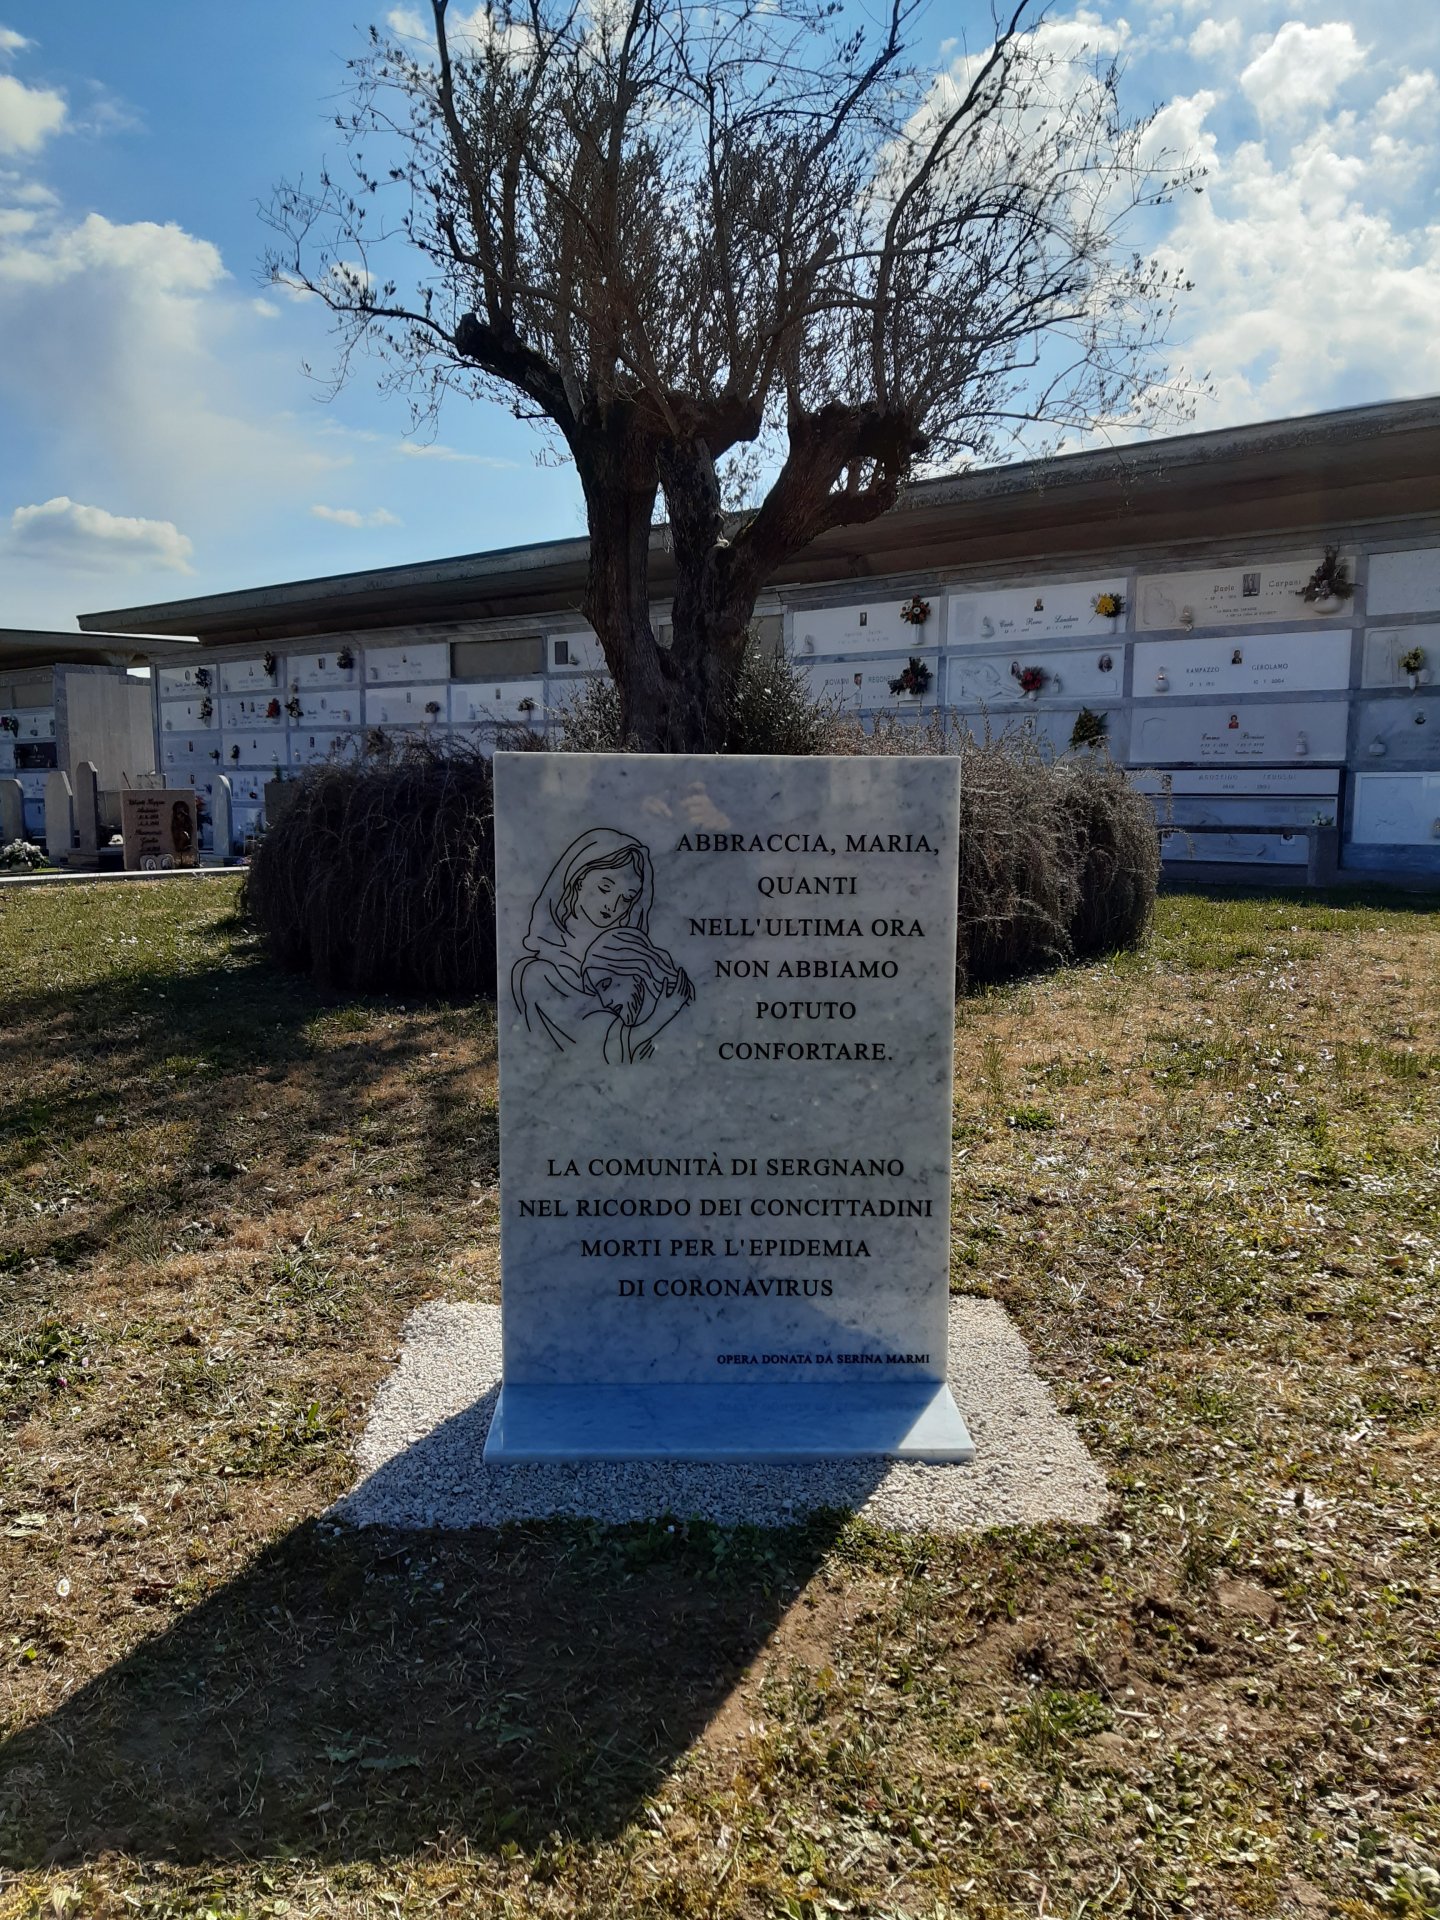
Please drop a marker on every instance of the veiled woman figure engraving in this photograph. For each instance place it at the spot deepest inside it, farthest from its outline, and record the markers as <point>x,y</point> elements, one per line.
<point>591,980</point>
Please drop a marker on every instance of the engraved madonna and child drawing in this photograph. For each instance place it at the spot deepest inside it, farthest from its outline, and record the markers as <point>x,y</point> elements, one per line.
<point>590,979</point>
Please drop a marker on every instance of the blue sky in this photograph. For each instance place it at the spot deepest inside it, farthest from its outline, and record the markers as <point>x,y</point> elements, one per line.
<point>159,437</point>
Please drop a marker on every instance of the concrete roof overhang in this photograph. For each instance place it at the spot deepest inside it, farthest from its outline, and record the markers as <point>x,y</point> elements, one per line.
<point>1309,474</point>
<point>34,647</point>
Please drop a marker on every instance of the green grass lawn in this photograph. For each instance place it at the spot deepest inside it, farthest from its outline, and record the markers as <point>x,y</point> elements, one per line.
<point>1204,1180</point>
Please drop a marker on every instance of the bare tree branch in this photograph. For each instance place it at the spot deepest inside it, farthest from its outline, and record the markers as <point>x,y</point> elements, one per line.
<point>671,229</point>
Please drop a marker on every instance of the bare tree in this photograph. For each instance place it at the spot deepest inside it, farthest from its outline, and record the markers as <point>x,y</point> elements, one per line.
<point>674,230</point>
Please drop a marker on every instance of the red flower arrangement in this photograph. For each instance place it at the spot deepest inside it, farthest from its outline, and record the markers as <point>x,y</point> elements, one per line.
<point>1031,679</point>
<point>915,678</point>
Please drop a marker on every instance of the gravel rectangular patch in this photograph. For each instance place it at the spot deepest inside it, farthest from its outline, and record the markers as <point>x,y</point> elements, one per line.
<point>421,1452</point>
<point>421,1464</point>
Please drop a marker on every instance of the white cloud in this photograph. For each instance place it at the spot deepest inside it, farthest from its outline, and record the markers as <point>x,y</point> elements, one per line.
<point>166,258</point>
<point>133,355</point>
<point>433,450</point>
<point>28,115</point>
<point>1415,93</point>
<point>63,530</point>
<point>350,517</point>
<point>1084,32</point>
<point>1179,130</point>
<point>1215,37</point>
<point>1313,286</point>
<point>21,192</point>
<point>473,32</point>
<point>1302,69</point>
<point>11,41</point>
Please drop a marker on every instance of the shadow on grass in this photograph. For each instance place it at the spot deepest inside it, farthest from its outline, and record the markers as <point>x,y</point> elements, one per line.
<point>355,1695</point>
<point>351,1694</point>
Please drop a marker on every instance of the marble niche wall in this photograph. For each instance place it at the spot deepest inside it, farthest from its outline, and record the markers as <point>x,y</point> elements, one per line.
<point>262,715</point>
<point>1239,676</point>
<point>973,648</point>
<point>1227,671</point>
<point>1241,686</point>
<point>1395,811</point>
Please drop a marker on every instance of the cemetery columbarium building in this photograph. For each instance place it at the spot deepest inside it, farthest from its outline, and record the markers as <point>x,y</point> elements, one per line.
<point>68,700</point>
<point>1247,619</point>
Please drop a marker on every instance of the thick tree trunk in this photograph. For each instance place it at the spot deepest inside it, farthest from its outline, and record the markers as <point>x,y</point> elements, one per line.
<point>711,611</point>
<point>617,471</point>
<point>679,699</point>
<point>675,699</point>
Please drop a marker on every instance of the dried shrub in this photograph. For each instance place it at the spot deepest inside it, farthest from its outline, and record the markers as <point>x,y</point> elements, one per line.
<point>773,711</point>
<point>380,875</point>
<point>1119,855</point>
<point>588,720</point>
<point>1058,859</point>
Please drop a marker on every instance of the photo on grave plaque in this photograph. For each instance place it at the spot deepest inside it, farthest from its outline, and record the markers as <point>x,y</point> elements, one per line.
<point>726,1028</point>
<point>160,829</point>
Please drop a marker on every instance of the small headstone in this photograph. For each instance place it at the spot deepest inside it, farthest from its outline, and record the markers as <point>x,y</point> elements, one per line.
<point>59,817</point>
<point>12,811</point>
<point>278,796</point>
<point>726,998</point>
<point>87,814</point>
<point>161,830</point>
<point>222,818</point>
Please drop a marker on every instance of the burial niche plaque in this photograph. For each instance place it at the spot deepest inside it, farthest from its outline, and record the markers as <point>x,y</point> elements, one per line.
<point>726,1010</point>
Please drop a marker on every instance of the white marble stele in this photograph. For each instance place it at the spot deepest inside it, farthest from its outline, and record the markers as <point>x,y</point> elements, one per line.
<point>726,1006</point>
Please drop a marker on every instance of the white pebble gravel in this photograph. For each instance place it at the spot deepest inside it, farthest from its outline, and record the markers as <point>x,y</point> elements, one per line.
<point>421,1465</point>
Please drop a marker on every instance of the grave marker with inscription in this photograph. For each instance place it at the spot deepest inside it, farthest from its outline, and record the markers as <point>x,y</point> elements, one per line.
<point>160,828</point>
<point>726,1009</point>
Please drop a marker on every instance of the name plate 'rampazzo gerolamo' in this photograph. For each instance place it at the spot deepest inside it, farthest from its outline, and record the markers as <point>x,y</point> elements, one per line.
<point>726,1011</point>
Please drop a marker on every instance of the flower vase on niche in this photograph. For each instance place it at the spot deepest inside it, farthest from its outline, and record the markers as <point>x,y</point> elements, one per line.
<point>1031,679</point>
<point>1330,585</point>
